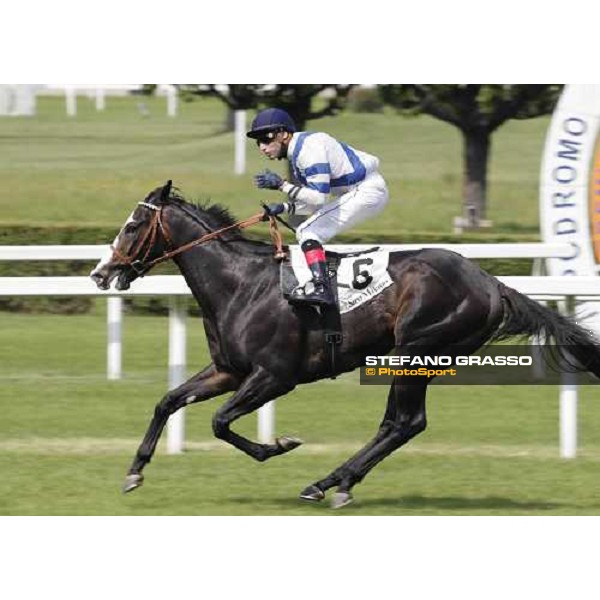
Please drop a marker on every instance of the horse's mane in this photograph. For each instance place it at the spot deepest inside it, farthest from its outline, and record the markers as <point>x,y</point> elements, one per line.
<point>217,217</point>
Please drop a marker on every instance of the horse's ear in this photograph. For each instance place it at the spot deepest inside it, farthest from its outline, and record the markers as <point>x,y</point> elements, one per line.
<point>166,191</point>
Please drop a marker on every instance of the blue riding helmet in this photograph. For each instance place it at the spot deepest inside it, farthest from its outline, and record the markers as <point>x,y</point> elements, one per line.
<point>271,119</point>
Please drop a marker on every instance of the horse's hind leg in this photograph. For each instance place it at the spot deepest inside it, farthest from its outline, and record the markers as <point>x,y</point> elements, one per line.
<point>316,491</point>
<point>404,419</point>
<point>206,384</point>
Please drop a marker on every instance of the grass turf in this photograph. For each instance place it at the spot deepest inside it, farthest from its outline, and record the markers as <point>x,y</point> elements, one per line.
<point>67,437</point>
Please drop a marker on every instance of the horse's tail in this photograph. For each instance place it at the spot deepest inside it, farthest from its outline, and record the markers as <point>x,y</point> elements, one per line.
<point>523,316</point>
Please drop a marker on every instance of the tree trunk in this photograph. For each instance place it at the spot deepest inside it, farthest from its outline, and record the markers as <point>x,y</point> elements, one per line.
<point>477,145</point>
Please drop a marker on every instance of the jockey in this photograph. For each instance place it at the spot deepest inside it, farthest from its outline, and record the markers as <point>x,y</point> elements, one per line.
<point>336,185</point>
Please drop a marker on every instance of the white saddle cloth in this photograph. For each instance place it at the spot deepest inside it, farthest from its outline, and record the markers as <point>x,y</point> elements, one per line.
<point>360,277</point>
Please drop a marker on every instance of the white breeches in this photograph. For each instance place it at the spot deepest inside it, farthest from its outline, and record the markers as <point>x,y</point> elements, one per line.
<point>364,201</point>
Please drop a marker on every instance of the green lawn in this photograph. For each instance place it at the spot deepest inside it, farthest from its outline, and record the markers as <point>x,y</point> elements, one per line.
<point>91,168</point>
<point>67,436</point>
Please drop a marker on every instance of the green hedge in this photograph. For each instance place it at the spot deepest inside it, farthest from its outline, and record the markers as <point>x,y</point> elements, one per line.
<point>20,235</point>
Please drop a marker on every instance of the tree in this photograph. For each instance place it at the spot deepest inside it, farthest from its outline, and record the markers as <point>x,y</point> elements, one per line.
<point>295,99</point>
<point>477,110</point>
<point>234,96</point>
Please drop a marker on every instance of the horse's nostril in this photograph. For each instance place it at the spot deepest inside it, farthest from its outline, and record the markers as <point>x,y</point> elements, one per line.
<point>98,279</point>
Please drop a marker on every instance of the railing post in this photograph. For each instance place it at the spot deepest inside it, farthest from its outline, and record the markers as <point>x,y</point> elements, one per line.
<point>240,142</point>
<point>71,100</point>
<point>568,415</point>
<point>100,99</point>
<point>266,423</point>
<point>172,101</point>
<point>177,370</point>
<point>568,401</point>
<point>114,320</point>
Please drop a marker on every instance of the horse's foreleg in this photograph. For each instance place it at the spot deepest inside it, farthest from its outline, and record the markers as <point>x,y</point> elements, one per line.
<point>404,419</point>
<point>256,390</point>
<point>206,384</point>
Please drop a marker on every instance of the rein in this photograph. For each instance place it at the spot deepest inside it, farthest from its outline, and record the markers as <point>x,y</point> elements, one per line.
<point>141,266</point>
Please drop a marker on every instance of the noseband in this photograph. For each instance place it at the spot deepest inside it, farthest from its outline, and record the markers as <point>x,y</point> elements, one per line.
<point>142,265</point>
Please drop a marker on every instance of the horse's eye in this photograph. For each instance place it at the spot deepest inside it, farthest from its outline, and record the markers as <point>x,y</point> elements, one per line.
<point>131,227</point>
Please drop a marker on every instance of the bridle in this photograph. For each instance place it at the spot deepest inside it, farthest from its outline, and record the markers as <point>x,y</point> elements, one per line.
<point>157,223</point>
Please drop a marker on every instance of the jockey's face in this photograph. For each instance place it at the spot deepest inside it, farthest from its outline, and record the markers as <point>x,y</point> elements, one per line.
<point>274,144</point>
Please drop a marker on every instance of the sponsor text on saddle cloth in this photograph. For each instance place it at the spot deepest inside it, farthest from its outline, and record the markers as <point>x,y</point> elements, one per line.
<point>360,275</point>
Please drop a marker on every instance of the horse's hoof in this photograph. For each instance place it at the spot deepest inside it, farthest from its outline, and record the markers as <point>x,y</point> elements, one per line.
<point>341,499</point>
<point>312,493</point>
<point>288,443</point>
<point>132,481</point>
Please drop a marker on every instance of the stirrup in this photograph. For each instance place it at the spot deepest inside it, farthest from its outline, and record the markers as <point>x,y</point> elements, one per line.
<point>298,295</point>
<point>298,292</point>
<point>301,296</point>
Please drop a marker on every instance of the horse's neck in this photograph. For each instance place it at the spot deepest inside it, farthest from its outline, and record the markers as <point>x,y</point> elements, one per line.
<point>215,273</point>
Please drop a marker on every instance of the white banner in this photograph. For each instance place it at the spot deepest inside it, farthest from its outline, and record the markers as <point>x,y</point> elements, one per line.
<point>570,188</point>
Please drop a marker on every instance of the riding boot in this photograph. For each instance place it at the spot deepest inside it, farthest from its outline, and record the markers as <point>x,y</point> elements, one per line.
<point>321,293</point>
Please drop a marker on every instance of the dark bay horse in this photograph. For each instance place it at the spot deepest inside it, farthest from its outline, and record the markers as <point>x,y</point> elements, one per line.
<point>262,348</point>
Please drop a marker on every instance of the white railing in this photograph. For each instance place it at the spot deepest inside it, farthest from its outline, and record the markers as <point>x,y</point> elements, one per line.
<point>525,250</point>
<point>174,286</point>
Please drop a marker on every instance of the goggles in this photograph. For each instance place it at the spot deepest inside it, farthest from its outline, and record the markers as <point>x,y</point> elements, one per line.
<point>266,138</point>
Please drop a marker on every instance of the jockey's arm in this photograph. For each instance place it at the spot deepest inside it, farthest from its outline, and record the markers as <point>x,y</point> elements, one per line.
<point>313,193</point>
<point>311,164</point>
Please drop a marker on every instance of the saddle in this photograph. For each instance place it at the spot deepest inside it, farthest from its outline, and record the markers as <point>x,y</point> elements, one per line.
<point>364,277</point>
<point>330,316</point>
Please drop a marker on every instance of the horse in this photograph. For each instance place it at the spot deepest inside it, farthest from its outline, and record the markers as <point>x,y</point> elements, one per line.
<point>262,347</point>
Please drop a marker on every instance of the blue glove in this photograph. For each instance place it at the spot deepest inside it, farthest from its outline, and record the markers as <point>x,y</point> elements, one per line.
<point>267,180</point>
<point>272,210</point>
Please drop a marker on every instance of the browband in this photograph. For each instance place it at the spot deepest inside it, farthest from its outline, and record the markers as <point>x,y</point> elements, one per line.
<point>148,205</point>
